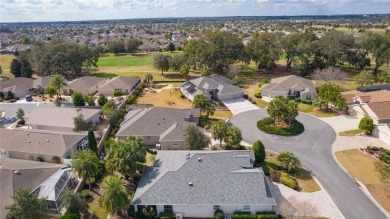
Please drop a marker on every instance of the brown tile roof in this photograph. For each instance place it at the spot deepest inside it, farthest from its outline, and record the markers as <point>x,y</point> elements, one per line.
<point>381,109</point>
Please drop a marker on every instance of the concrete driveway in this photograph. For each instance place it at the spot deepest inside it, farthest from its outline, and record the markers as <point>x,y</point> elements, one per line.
<point>239,105</point>
<point>313,147</point>
<point>342,123</point>
<point>10,110</point>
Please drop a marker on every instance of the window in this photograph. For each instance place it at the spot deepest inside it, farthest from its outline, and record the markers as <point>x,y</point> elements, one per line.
<point>168,208</point>
<point>216,207</point>
<point>247,207</point>
<point>308,97</point>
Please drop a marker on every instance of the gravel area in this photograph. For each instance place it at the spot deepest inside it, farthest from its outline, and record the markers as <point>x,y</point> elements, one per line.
<point>347,143</point>
<point>314,204</point>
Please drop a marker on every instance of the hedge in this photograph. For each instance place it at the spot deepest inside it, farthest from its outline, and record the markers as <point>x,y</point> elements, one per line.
<point>266,125</point>
<point>242,215</point>
<point>287,181</point>
<point>167,215</point>
<point>266,215</point>
<point>218,214</point>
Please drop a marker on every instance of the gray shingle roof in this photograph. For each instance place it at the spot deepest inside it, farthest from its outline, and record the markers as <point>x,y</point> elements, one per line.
<point>120,82</point>
<point>16,84</point>
<point>209,83</point>
<point>167,123</point>
<point>31,175</point>
<point>283,84</point>
<point>85,82</point>
<point>220,178</point>
<point>38,141</point>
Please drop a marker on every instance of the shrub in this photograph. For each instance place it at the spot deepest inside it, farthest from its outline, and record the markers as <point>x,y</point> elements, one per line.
<point>203,121</point>
<point>12,100</point>
<point>78,99</point>
<point>136,93</point>
<point>221,104</point>
<point>287,181</point>
<point>117,93</point>
<point>385,157</point>
<point>266,215</point>
<point>39,159</point>
<point>56,159</point>
<point>366,124</point>
<point>258,95</point>
<point>309,102</point>
<point>84,193</point>
<point>245,96</point>
<point>101,171</point>
<point>242,215</point>
<point>218,214</point>
<point>167,215</point>
<point>275,176</point>
<point>69,216</point>
<point>131,100</point>
<point>264,81</point>
<point>182,96</point>
<point>259,151</point>
<point>102,100</point>
<point>266,126</point>
<point>140,89</point>
<point>131,211</point>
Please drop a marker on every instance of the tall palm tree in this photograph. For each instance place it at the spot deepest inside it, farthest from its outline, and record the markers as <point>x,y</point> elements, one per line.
<point>275,108</point>
<point>114,197</point>
<point>219,130</point>
<point>291,111</point>
<point>148,78</point>
<point>85,164</point>
<point>58,82</point>
<point>288,160</point>
<point>210,109</point>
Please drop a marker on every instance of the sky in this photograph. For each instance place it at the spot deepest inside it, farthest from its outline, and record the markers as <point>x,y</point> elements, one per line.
<point>76,10</point>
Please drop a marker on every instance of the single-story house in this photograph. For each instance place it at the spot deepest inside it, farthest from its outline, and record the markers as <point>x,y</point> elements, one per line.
<point>87,85</point>
<point>374,104</point>
<point>216,88</point>
<point>194,184</point>
<point>42,83</point>
<point>30,144</point>
<point>60,118</point>
<point>123,83</point>
<point>160,127</point>
<point>376,87</point>
<point>19,86</point>
<point>48,180</point>
<point>290,86</point>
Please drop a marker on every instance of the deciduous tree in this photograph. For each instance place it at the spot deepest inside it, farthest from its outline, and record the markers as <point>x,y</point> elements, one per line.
<point>78,99</point>
<point>366,124</point>
<point>259,151</point>
<point>26,205</point>
<point>194,139</point>
<point>161,62</point>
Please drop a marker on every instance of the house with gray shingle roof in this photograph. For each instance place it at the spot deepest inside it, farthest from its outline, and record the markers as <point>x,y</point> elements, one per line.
<point>196,183</point>
<point>123,83</point>
<point>87,85</point>
<point>159,126</point>
<point>217,88</point>
<point>19,86</point>
<point>290,86</point>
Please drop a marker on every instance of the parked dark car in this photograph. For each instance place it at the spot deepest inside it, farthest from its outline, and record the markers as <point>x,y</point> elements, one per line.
<point>29,98</point>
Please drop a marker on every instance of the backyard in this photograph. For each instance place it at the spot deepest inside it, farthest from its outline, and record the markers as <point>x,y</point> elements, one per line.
<point>362,166</point>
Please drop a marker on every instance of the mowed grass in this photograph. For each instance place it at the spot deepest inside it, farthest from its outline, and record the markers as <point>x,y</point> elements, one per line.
<point>362,167</point>
<point>350,132</point>
<point>5,62</point>
<point>304,178</point>
<point>165,99</point>
<point>125,60</point>
<point>307,108</point>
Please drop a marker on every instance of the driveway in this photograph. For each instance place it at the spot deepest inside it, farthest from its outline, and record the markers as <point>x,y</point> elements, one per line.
<point>342,123</point>
<point>313,147</point>
<point>356,142</point>
<point>239,105</point>
<point>10,110</point>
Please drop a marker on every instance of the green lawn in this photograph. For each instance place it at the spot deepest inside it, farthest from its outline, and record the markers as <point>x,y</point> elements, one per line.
<point>304,178</point>
<point>351,132</point>
<point>126,60</point>
<point>306,108</point>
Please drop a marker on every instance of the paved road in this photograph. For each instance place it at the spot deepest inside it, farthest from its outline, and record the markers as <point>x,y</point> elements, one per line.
<point>313,147</point>
<point>11,108</point>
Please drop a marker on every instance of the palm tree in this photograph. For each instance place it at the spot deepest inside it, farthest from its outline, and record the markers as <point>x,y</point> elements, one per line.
<point>319,102</point>
<point>85,164</point>
<point>275,107</point>
<point>58,82</point>
<point>51,91</point>
<point>291,111</point>
<point>288,160</point>
<point>209,108</point>
<point>148,78</point>
<point>219,130</point>
<point>114,197</point>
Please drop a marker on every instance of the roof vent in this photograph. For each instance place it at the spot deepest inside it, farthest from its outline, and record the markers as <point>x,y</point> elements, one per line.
<point>29,141</point>
<point>16,172</point>
<point>188,154</point>
<point>199,159</point>
<point>27,133</point>
<point>190,184</point>
<point>47,140</point>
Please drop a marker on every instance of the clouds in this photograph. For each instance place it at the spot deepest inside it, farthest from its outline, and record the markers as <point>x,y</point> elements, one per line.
<point>59,10</point>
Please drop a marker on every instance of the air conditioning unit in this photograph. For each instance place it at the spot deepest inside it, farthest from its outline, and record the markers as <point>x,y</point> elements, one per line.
<point>179,215</point>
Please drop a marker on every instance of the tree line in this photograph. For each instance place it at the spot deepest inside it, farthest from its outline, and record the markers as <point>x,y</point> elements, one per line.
<point>56,56</point>
<point>216,50</point>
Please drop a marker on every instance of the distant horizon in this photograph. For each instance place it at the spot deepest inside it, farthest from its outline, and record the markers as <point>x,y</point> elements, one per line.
<point>28,11</point>
<point>230,16</point>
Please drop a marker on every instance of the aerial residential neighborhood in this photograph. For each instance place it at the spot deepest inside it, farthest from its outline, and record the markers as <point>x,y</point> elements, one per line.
<point>236,116</point>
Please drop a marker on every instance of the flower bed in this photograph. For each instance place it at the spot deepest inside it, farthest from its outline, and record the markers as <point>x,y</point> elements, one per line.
<point>266,125</point>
